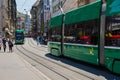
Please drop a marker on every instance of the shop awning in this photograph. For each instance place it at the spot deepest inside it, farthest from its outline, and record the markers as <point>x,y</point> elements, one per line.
<point>113,7</point>
<point>56,21</point>
<point>84,13</point>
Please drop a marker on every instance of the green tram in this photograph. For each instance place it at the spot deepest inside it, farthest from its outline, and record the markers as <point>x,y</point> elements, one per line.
<point>19,36</point>
<point>90,33</point>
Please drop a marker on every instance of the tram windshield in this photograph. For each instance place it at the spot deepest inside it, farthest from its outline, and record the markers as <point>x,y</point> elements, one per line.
<point>19,35</point>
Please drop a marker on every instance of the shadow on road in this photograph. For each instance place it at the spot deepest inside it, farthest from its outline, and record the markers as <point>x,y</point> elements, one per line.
<point>100,71</point>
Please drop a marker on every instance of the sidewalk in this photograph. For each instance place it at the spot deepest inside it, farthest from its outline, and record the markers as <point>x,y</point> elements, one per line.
<point>14,67</point>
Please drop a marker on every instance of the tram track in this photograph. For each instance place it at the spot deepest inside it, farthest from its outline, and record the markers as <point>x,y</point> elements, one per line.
<point>88,76</point>
<point>34,59</point>
<point>107,75</point>
<point>53,61</point>
<point>58,72</point>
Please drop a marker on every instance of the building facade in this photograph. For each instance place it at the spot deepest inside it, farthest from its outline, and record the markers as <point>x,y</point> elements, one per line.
<point>83,2</point>
<point>40,13</point>
<point>12,15</point>
<point>7,17</point>
<point>41,16</point>
<point>66,5</point>
<point>20,20</point>
<point>46,16</point>
<point>3,16</point>
<point>27,24</point>
<point>55,7</point>
<point>34,18</point>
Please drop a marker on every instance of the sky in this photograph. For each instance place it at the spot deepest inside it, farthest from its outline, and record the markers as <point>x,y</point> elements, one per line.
<point>24,4</point>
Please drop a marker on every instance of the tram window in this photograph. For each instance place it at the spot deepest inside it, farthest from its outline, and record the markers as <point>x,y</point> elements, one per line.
<point>112,35</point>
<point>55,34</point>
<point>82,33</point>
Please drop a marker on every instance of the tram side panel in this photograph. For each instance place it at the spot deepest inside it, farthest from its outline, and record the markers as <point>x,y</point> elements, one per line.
<point>82,52</point>
<point>55,48</point>
<point>81,40</point>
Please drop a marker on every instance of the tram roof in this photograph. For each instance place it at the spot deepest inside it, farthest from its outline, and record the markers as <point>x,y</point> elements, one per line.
<point>84,13</point>
<point>56,21</point>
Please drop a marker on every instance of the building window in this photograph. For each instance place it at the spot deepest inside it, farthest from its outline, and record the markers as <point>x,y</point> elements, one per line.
<point>2,4</point>
<point>47,2</point>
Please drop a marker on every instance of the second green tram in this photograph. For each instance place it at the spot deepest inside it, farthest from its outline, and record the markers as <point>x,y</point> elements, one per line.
<point>91,34</point>
<point>19,36</point>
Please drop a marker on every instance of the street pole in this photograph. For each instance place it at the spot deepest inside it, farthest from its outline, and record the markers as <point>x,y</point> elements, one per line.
<point>62,29</point>
<point>102,33</point>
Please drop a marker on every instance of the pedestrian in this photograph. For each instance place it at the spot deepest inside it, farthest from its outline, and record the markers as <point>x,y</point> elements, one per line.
<point>0,42</point>
<point>38,40</point>
<point>4,43</point>
<point>42,39</point>
<point>10,44</point>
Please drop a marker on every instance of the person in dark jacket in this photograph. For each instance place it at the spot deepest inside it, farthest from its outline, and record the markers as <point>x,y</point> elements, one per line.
<point>10,44</point>
<point>0,43</point>
<point>4,43</point>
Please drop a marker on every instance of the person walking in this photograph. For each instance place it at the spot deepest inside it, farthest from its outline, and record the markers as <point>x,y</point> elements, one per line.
<point>10,44</point>
<point>38,40</point>
<point>0,42</point>
<point>4,43</point>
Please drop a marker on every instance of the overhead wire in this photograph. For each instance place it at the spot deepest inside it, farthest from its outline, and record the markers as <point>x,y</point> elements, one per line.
<point>23,4</point>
